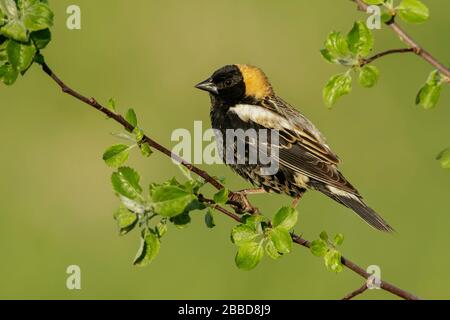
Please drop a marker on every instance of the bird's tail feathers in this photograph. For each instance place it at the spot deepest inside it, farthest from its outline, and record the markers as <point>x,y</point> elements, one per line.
<point>357,204</point>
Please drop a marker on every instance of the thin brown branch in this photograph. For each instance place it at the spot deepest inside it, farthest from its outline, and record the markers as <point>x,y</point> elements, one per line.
<point>129,127</point>
<point>419,50</point>
<point>215,206</point>
<point>355,293</point>
<point>384,53</point>
<point>208,178</point>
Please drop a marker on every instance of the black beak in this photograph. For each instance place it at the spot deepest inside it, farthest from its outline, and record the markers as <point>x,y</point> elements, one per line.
<point>208,86</point>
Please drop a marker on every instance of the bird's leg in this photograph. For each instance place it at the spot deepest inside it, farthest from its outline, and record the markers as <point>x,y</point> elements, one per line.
<point>297,200</point>
<point>240,201</point>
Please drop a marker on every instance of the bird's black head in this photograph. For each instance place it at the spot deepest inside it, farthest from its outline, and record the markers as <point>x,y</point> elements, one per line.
<point>226,84</point>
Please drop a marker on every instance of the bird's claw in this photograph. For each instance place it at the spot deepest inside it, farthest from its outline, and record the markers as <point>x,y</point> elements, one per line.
<point>240,203</point>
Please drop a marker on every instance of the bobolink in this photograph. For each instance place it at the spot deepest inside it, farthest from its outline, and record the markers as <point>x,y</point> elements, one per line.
<point>242,98</point>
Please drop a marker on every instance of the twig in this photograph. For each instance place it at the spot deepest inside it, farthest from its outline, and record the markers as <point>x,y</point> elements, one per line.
<point>384,53</point>
<point>420,51</point>
<point>129,127</point>
<point>215,206</point>
<point>355,293</point>
<point>209,179</point>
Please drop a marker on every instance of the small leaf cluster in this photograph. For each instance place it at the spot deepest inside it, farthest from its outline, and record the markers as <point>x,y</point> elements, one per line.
<point>327,249</point>
<point>24,31</point>
<point>170,201</point>
<point>430,93</point>
<point>410,11</point>
<point>352,51</point>
<point>257,235</point>
<point>444,158</point>
<point>116,155</point>
<point>349,50</point>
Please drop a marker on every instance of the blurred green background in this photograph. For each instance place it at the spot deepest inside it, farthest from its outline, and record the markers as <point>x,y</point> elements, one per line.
<point>57,202</point>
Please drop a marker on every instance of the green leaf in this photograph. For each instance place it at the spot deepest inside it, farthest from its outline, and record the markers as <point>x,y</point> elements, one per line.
<point>209,219</point>
<point>242,234</point>
<point>126,183</point>
<point>131,117</point>
<point>249,255</point>
<point>430,93</point>
<point>170,200</point>
<point>333,261</point>
<point>15,30</point>
<point>8,74</point>
<point>185,171</point>
<point>20,55</point>
<point>13,26</point>
<point>281,239</point>
<point>375,2</point>
<point>336,44</point>
<point>386,16</point>
<point>327,56</point>
<point>23,4</point>
<point>41,38</point>
<point>368,76</point>
<point>38,17</point>
<point>271,250</point>
<point>149,249</point>
<point>324,236</point>
<point>338,239</point>
<point>285,218</point>
<point>138,133</point>
<point>112,103</point>
<point>413,11</point>
<point>336,87</point>
<point>126,220</point>
<point>195,204</point>
<point>116,155</point>
<point>360,39</point>
<point>39,59</point>
<point>3,58</point>
<point>444,158</point>
<point>193,186</point>
<point>221,197</point>
<point>181,220</point>
<point>254,222</point>
<point>9,8</point>
<point>146,151</point>
<point>161,228</point>
<point>319,248</point>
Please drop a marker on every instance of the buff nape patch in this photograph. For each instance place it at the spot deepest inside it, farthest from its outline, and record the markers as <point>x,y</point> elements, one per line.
<point>256,83</point>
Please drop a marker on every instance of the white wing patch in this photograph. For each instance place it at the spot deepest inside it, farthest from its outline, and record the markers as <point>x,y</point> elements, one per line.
<point>262,116</point>
<point>301,180</point>
<point>290,131</point>
<point>342,193</point>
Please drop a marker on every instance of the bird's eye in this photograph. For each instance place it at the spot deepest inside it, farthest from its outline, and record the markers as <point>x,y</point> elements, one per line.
<point>228,82</point>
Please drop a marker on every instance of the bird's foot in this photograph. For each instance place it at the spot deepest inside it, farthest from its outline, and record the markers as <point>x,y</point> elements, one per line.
<point>239,201</point>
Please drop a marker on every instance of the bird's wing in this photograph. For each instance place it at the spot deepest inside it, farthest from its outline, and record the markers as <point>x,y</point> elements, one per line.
<point>300,160</point>
<point>301,147</point>
<point>300,130</point>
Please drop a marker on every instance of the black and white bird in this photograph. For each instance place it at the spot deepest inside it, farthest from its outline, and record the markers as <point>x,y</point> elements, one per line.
<point>242,98</point>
